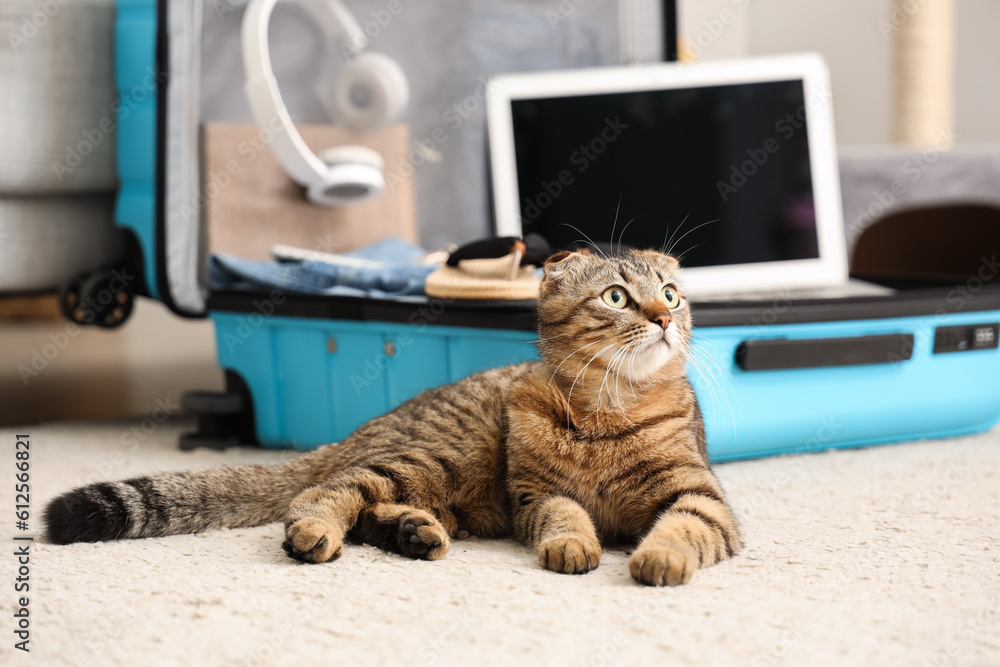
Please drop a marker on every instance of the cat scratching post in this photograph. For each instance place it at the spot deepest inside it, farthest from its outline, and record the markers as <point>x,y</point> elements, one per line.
<point>924,67</point>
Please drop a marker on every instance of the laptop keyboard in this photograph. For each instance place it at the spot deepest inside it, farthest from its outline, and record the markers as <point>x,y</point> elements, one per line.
<point>852,288</point>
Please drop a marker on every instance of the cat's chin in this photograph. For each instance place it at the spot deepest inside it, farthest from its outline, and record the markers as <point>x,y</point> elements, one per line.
<point>652,358</point>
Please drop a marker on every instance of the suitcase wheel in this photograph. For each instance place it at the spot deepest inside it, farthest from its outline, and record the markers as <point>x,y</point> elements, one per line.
<point>97,297</point>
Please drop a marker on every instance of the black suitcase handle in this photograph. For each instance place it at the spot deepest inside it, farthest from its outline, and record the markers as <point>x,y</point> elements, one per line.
<point>783,353</point>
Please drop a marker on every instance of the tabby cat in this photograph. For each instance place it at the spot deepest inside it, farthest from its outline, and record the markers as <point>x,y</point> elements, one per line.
<point>599,442</point>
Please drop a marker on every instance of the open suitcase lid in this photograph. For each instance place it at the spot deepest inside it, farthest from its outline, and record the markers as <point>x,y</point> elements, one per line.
<point>200,78</point>
<point>448,53</point>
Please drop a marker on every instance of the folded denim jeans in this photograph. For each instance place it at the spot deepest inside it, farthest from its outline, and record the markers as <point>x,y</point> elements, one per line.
<point>398,270</point>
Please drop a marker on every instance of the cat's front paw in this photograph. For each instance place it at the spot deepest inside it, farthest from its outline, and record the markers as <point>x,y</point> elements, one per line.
<point>422,536</point>
<point>312,541</point>
<point>570,554</point>
<point>663,564</point>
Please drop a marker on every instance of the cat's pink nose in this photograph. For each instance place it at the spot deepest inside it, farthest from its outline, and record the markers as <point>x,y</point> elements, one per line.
<point>662,319</point>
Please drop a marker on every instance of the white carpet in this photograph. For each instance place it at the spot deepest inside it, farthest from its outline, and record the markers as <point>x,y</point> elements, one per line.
<point>883,556</point>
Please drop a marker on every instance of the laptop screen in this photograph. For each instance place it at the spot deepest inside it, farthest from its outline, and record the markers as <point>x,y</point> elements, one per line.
<point>718,174</point>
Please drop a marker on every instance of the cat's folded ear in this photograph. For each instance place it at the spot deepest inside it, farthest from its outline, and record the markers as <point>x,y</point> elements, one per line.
<point>561,263</point>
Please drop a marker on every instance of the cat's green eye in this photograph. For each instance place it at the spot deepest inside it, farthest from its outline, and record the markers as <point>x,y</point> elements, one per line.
<point>670,297</point>
<point>615,297</point>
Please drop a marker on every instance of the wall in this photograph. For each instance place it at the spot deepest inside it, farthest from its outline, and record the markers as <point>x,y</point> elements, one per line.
<point>848,34</point>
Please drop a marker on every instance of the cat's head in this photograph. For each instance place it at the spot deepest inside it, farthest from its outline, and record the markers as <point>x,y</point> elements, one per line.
<point>627,313</point>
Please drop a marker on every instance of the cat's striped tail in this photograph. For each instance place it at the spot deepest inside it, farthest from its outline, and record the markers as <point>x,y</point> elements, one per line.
<point>174,503</point>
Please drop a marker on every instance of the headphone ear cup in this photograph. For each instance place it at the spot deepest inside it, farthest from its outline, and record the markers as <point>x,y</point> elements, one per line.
<point>369,91</point>
<point>353,174</point>
<point>352,154</point>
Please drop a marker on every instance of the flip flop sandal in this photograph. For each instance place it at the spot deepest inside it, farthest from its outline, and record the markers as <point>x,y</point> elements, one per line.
<point>501,268</point>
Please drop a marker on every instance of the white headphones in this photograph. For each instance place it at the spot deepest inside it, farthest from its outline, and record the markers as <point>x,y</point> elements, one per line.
<point>366,92</point>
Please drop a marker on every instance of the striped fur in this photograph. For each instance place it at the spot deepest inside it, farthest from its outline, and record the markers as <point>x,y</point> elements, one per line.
<point>600,442</point>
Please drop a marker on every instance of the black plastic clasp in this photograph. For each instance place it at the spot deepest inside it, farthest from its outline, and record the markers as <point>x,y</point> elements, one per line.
<point>783,353</point>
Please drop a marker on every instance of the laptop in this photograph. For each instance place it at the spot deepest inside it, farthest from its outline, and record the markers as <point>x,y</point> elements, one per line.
<point>732,166</point>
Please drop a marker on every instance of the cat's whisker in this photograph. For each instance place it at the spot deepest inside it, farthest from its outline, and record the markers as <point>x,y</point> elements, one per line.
<point>725,399</point>
<point>686,251</point>
<point>611,365</point>
<point>630,372</point>
<point>707,378</point>
<point>631,368</point>
<point>600,388</point>
<point>699,364</point>
<point>622,235</point>
<point>693,229</point>
<point>615,224</point>
<point>666,241</point>
<point>709,382</point>
<point>618,380</point>
<point>589,240</point>
<point>570,396</point>
<point>602,340</point>
<point>582,241</point>
<point>618,377</point>
<point>726,375</point>
<point>705,368</point>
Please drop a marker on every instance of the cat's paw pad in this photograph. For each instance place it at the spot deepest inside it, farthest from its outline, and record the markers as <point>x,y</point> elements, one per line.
<point>663,564</point>
<point>422,536</point>
<point>570,554</point>
<point>312,541</point>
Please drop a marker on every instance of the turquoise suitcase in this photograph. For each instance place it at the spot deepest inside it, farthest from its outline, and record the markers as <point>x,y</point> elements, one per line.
<point>772,377</point>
